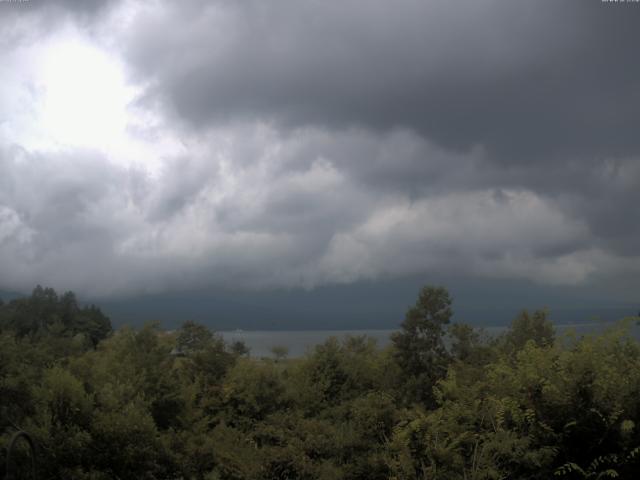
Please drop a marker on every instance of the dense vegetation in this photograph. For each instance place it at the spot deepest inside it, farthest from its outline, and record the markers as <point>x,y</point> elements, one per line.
<point>443,401</point>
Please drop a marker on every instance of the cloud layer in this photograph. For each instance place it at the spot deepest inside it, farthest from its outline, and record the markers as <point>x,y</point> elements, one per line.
<point>302,143</point>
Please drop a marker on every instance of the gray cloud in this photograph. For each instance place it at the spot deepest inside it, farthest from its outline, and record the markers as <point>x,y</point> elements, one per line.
<point>300,218</point>
<point>555,84</point>
<point>327,144</point>
<point>33,19</point>
<point>544,81</point>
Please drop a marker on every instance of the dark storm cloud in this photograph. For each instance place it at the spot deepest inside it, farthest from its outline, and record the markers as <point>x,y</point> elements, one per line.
<point>53,204</point>
<point>33,20</point>
<point>540,96</point>
<point>73,7</point>
<point>543,80</point>
<point>325,142</point>
<point>182,180</point>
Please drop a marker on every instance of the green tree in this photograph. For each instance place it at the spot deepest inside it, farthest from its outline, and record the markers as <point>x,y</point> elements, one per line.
<point>193,337</point>
<point>526,327</point>
<point>419,347</point>
<point>239,348</point>
<point>253,390</point>
<point>44,313</point>
<point>279,352</point>
<point>464,341</point>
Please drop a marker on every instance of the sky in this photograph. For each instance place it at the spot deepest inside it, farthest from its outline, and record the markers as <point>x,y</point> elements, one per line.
<point>251,149</point>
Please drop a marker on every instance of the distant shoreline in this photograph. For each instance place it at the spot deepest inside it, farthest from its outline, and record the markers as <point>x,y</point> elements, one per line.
<point>299,342</point>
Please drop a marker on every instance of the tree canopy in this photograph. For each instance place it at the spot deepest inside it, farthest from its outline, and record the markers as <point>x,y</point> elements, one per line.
<point>441,401</point>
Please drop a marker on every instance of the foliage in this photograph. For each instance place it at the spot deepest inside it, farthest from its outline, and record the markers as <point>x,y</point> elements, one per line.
<point>45,313</point>
<point>526,327</point>
<point>419,346</point>
<point>437,403</point>
<point>279,352</point>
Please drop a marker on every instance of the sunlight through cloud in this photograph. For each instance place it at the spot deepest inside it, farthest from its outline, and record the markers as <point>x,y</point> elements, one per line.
<point>85,97</point>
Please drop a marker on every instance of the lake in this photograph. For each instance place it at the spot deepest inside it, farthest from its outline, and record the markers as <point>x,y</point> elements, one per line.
<point>299,342</point>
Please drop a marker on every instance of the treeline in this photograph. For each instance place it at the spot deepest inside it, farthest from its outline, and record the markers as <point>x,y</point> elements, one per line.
<point>443,401</point>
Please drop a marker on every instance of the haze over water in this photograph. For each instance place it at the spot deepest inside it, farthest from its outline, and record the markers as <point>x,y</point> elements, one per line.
<point>300,342</point>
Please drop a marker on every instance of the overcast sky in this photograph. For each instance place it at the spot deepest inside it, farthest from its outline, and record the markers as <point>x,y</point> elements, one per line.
<point>164,146</point>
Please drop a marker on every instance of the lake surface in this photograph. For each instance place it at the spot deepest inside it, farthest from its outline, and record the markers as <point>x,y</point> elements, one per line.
<point>299,342</point>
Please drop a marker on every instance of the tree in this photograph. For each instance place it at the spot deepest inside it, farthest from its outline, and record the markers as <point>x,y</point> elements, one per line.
<point>419,346</point>
<point>526,327</point>
<point>193,337</point>
<point>464,340</point>
<point>253,390</point>
<point>239,348</point>
<point>46,313</point>
<point>93,323</point>
<point>207,356</point>
<point>280,352</point>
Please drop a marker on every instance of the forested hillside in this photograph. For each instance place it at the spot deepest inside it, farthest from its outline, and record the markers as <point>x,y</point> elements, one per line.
<point>444,401</point>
